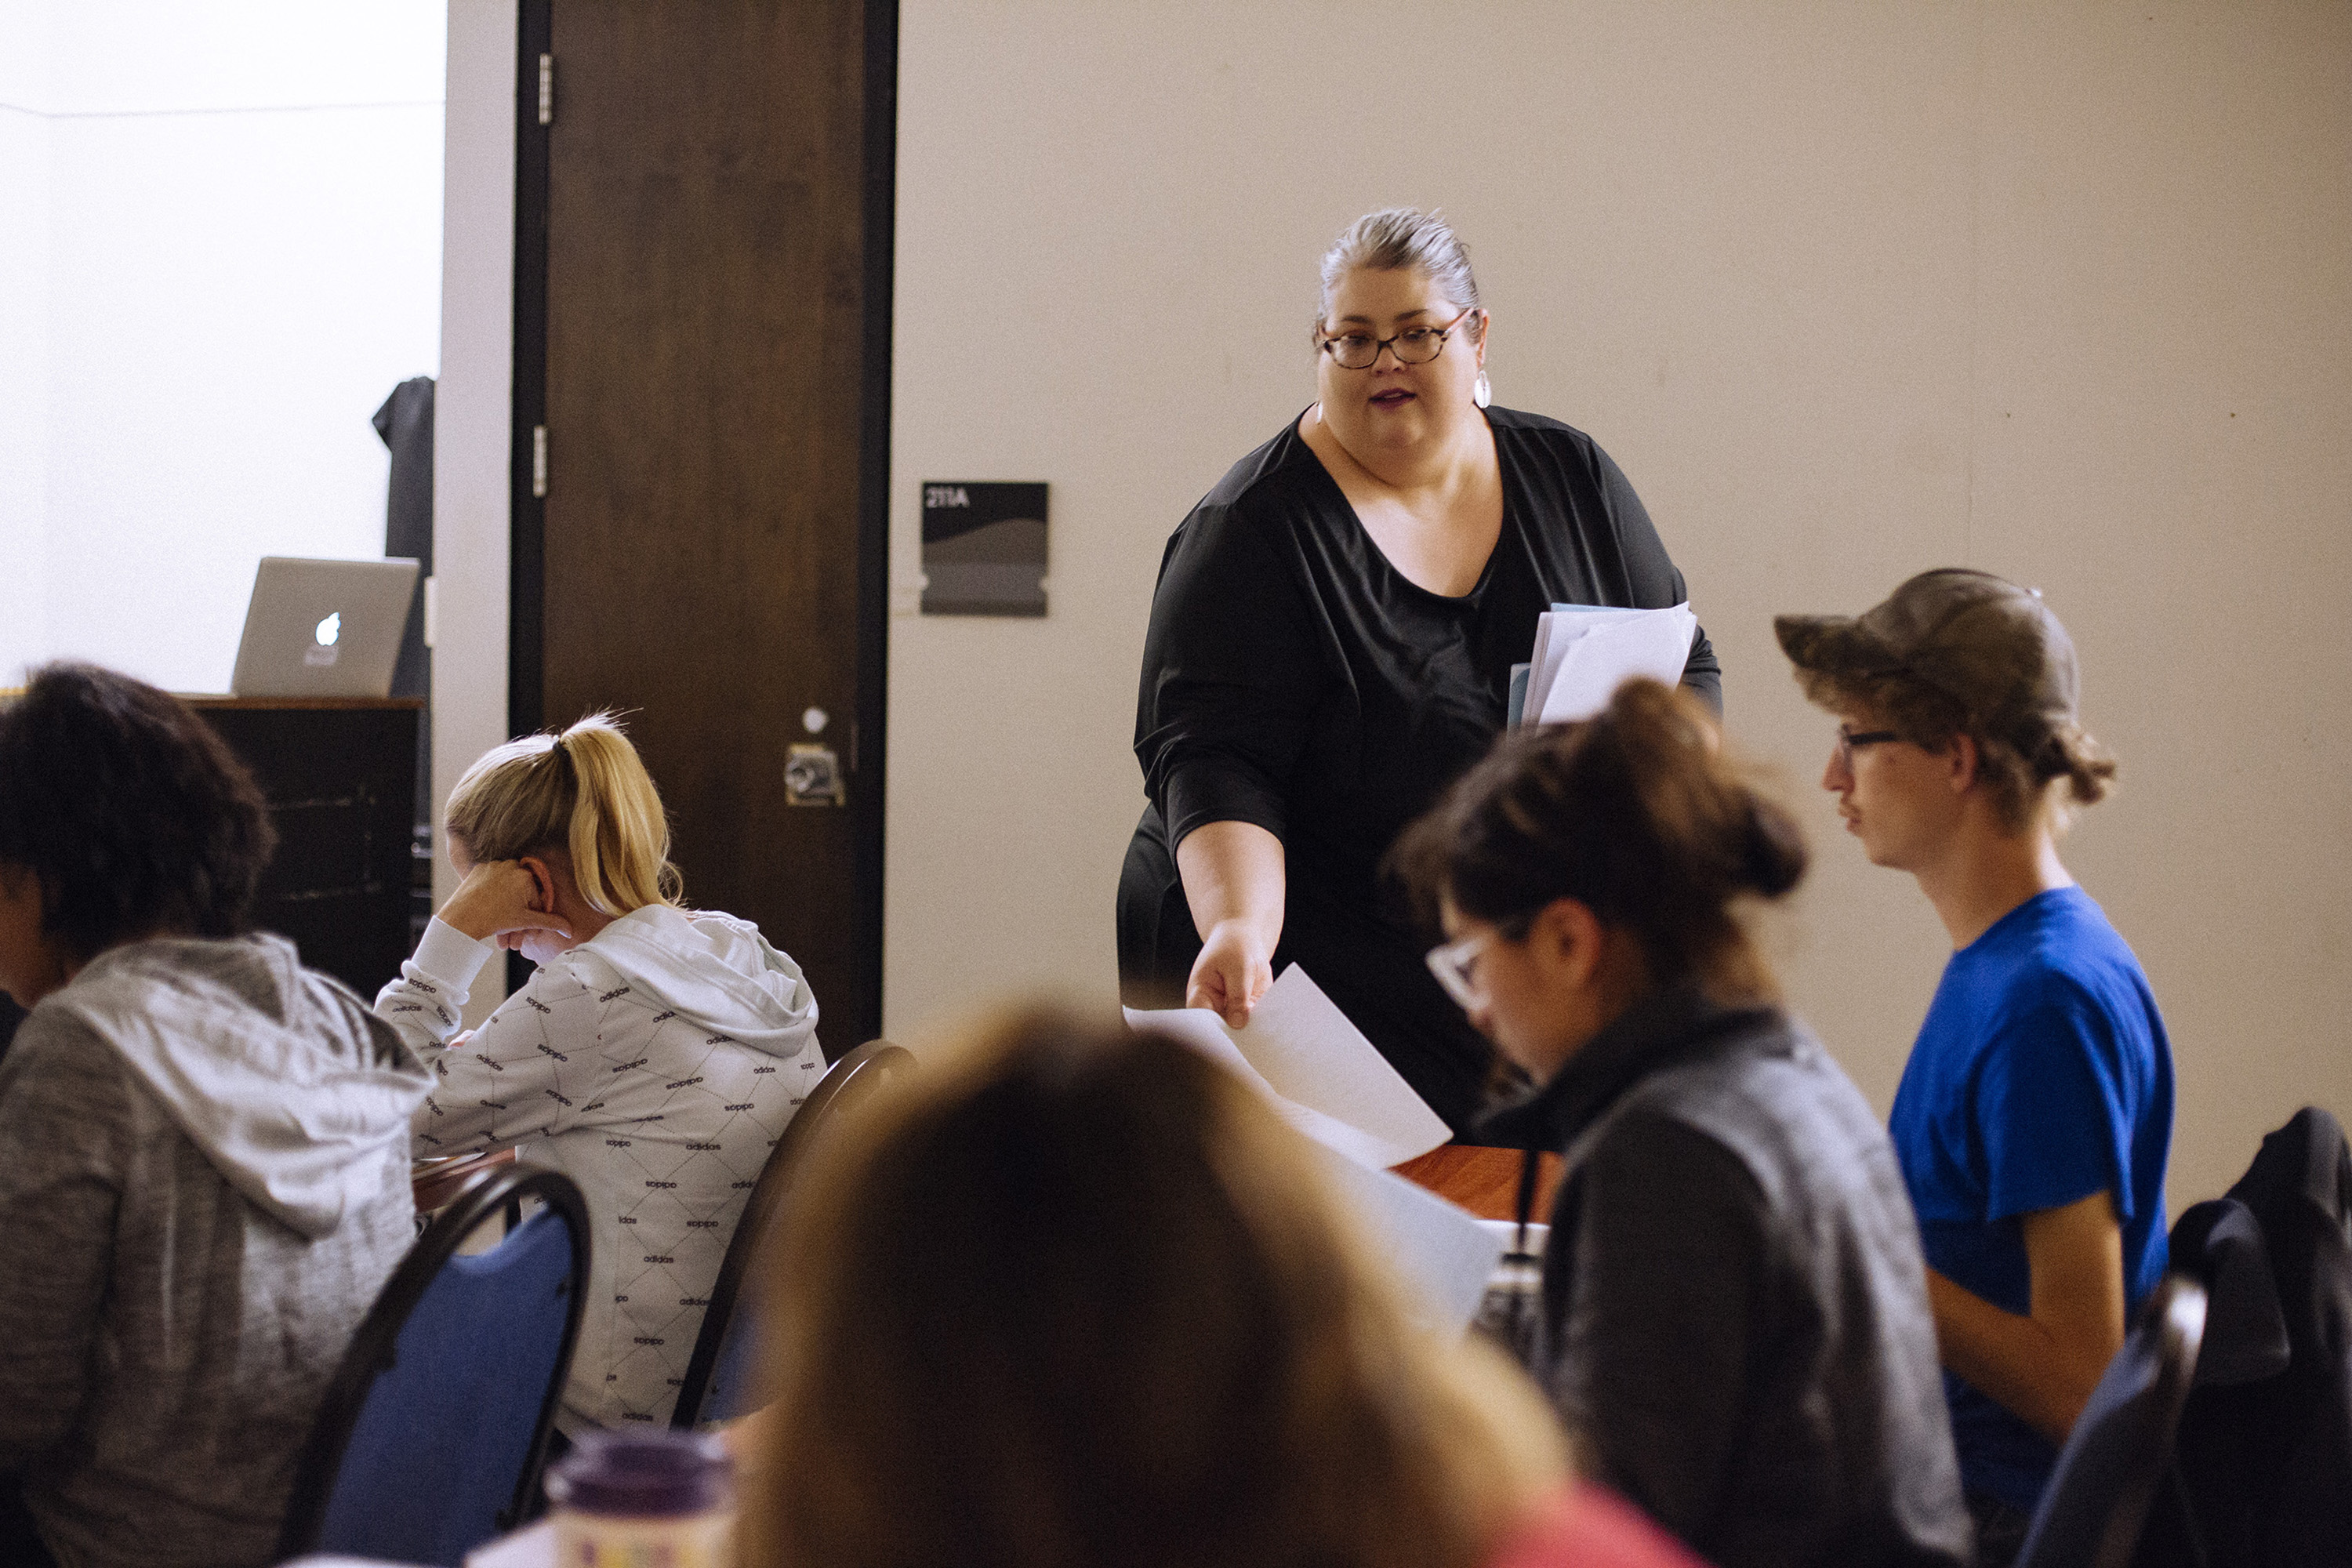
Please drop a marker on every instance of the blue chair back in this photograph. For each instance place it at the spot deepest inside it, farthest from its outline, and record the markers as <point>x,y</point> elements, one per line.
<point>2098,1496</point>
<point>720,1382</point>
<point>433,1432</point>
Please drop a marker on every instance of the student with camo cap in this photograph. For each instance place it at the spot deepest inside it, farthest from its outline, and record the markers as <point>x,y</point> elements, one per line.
<point>2035,1111</point>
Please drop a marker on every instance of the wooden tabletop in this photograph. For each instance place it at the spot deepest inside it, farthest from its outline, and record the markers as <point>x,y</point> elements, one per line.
<point>1483,1180</point>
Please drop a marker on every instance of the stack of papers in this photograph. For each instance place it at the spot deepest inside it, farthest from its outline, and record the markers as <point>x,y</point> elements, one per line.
<point>1321,1076</point>
<point>1583,653</point>
<point>1316,1068</point>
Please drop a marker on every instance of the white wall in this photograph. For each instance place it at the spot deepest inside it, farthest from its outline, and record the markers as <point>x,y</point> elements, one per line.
<point>232,216</point>
<point>472,433</point>
<point>1849,291</point>
<point>23,334</point>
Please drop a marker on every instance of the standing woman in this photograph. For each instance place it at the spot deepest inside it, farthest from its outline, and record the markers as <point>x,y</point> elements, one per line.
<point>1736,1322</point>
<point>1331,645</point>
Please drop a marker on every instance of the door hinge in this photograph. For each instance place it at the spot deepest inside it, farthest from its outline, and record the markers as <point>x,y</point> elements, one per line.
<point>539,459</point>
<point>547,89</point>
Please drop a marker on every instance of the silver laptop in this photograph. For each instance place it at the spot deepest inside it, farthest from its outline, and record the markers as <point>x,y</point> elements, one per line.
<point>323,628</point>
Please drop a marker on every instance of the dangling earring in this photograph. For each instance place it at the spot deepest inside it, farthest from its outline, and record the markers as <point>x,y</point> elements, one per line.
<point>1481,393</point>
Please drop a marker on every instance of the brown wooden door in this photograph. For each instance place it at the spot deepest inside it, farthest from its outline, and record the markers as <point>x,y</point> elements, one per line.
<point>709,542</point>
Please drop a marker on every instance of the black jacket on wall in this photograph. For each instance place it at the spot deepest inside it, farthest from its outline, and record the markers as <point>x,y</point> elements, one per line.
<point>405,423</point>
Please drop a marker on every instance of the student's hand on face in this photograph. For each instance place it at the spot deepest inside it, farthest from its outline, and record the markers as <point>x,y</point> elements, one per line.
<point>509,901</point>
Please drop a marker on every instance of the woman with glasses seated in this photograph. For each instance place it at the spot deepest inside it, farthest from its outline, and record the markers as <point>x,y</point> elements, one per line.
<point>1734,1314</point>
<point>1331,643</point>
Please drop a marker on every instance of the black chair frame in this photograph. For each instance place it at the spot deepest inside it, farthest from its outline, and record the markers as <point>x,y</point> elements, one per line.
<point>499,1191</point>
<point>2174,1315</point>
<point>845,1083</point>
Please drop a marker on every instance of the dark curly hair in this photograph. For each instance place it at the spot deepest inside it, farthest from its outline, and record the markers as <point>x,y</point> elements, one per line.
<point>1635,813</point>
<point>133,815</point>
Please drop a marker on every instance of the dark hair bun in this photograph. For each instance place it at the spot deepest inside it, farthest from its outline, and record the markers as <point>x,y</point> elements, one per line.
<point>1775,858</point>
<point>1637,813</point>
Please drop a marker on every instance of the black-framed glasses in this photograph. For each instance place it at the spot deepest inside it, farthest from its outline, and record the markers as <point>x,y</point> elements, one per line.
<point>1849,742</point>
<point>1414,346</point>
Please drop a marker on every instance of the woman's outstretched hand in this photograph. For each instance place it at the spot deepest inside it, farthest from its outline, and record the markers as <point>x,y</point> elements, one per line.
<point>500,896</point>
<point>1236,966</point>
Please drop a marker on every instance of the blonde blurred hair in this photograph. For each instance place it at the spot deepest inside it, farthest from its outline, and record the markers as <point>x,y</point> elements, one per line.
<point>1076,1299</point>
<point>583,794</point>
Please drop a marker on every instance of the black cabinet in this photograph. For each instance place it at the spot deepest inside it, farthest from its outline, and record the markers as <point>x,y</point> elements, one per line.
<point>341,777</point>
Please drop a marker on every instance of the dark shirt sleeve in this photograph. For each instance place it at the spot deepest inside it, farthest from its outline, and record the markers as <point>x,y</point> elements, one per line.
<point>1232,672</point>
<point>62,1100</point>
<point>1670,1293</point>
<point>1657,582</point>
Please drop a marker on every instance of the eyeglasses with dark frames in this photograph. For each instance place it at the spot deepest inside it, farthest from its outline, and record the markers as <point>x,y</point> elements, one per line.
<point>1849,742</point>
<point>1413,345</point>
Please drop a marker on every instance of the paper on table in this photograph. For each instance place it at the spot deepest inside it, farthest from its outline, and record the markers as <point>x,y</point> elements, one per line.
<point>1324,1078</point>
<point>1597,654</point>
<point>1444,1253</point>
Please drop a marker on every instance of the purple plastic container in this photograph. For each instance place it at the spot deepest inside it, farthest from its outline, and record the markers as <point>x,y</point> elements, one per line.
<point>643,1498</point>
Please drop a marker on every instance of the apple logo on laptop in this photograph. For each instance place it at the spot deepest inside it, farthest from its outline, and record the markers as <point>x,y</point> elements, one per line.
<point>324,651</point>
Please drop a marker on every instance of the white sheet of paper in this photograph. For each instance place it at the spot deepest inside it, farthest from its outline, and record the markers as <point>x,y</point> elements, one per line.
<point>1205,1033</point>
<point>1322,1075</point>
<point>1602,654</point>
<point>1444,1254</point>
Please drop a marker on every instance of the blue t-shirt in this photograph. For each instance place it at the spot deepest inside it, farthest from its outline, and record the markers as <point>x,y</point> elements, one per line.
<point>2041,1076</point>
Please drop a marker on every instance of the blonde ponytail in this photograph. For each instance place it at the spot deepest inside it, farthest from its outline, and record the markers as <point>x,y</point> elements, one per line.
<point>584,793</point>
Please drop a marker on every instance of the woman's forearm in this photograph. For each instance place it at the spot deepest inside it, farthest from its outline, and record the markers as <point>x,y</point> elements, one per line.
<point>1234,882</point>
<point>1233,872</point>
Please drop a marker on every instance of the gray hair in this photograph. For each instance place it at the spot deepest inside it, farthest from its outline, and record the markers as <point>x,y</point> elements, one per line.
<point>1392,240</point>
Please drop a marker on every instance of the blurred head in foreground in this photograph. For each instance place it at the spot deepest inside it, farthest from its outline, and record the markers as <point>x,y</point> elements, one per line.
<point>1080,1298</point>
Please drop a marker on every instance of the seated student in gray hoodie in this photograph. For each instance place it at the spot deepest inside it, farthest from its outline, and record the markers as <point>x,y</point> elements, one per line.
<point>654,1058</point>
<point>203,1146</point>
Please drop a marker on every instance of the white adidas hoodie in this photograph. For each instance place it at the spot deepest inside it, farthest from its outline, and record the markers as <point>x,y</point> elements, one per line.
<point>655,1065</point>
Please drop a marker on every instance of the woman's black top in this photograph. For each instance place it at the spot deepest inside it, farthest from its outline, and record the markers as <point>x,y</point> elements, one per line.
<point>1293,678</point>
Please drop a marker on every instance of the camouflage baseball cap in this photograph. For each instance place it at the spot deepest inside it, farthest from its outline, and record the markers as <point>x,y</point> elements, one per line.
<point>1990,645</point>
